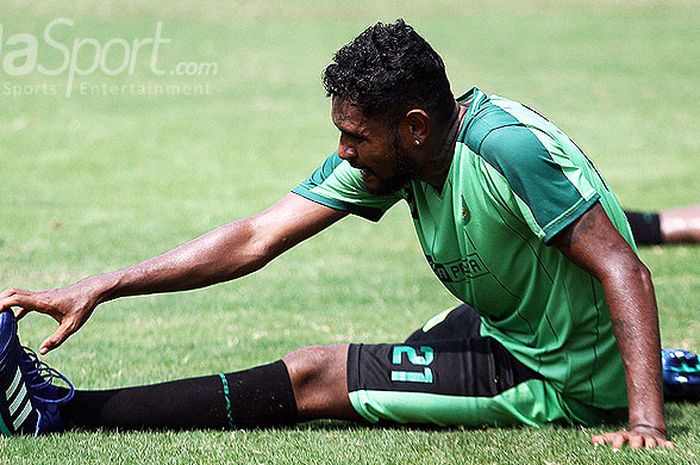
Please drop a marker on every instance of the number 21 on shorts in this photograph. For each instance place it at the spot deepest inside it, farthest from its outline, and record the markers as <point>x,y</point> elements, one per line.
<point>425,376</point>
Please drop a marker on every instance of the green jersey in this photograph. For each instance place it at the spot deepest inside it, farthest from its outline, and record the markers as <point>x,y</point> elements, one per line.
<point>515,181</point>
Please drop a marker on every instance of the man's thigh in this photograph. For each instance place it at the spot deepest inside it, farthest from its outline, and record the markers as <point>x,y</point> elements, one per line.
<point>469,380</point>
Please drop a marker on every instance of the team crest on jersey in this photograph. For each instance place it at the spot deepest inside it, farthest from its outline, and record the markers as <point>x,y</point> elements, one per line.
<point>466,213</point>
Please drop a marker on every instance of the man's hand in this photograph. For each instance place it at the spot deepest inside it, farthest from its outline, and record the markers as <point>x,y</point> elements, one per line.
<point>70,306</point>
<point>636,438</point>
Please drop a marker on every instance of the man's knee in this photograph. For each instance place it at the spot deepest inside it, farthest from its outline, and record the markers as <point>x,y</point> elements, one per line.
<point>319,380</point>
<point>315,364</point>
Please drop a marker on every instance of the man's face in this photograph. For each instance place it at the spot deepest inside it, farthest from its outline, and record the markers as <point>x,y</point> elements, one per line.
<point>372,147</point>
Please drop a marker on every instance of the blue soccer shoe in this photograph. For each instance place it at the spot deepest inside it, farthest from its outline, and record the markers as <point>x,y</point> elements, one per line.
<point>681,374</point>
<point>29,401</point>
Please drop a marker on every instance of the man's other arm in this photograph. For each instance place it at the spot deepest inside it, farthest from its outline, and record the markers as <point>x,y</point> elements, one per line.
<point>593,243</point>
<point>225,253</point>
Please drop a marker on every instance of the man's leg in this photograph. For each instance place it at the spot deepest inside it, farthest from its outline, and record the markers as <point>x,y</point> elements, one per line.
<point>310,383</point>
<point>679,226</point>
<point>470,380</point>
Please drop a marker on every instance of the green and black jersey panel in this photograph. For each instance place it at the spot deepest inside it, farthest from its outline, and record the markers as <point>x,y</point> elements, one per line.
<point>449,375</point>
<point>337,185</point>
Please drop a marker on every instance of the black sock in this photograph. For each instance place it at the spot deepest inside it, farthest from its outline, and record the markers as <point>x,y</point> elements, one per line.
<point>646,228</point>
<point>261,396</point>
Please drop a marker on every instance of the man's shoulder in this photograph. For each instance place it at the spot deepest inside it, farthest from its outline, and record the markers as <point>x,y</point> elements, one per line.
<point>505,132</point>
<point>487,116</point>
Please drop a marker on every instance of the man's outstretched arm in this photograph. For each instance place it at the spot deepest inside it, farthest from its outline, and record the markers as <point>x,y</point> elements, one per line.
<point>593,243</point>
<point>227,252</point>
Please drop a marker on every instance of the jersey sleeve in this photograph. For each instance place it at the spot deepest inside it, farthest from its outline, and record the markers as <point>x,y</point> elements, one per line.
<point>550,189</point>
<point>338,185</point>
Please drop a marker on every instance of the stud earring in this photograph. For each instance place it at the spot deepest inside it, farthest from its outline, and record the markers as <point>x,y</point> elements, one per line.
<point>416,142</point>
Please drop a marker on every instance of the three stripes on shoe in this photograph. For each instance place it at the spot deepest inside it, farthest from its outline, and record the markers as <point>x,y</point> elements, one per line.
<point>20,406</point>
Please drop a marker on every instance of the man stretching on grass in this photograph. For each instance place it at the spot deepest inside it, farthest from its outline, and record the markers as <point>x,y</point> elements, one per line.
<point>559,322</point>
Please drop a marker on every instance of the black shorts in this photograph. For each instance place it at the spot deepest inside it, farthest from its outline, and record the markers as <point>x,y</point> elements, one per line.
<point>446,373</point>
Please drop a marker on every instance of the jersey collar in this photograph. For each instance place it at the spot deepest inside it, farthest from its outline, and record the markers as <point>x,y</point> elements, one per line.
<point>476,96</point>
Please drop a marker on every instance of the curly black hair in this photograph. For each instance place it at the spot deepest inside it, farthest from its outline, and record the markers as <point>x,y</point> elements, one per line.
<point>387,70</point>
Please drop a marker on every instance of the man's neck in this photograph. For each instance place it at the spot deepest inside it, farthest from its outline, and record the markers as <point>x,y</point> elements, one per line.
<point>438,166</point>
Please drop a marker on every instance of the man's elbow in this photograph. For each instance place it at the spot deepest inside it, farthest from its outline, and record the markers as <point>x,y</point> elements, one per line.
<point>260,253</point>
<point>637,267</point>
<point>645,275</point>
<point>242,250</point>
<point>261,246</point>
<point>625,269</point>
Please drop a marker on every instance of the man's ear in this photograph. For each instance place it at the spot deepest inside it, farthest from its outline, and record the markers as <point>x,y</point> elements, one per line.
<point>415,127</point>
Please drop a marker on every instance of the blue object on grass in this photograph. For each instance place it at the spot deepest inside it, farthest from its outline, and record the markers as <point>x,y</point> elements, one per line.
<point>681,373</point>
<point>29,401</point>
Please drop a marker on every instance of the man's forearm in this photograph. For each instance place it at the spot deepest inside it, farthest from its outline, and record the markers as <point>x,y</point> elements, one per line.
<point>227,252</point>
<point>630,295</point>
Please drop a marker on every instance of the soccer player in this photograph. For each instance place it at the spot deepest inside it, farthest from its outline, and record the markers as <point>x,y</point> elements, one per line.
<point>514,220</point>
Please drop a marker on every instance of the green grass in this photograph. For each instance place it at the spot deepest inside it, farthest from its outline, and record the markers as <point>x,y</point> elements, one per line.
<point>92,183</point>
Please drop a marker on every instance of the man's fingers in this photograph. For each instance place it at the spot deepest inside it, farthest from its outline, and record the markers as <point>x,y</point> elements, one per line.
<point>10,301</point>
<point>9,296</point>
<point>602,439</point>
<point>20,298</point>
<point>24,302</point>
<point>29,301</point>
<point>57,338</point>
<point>636,441</point>
<point>6,299</point>
<point>10,292</point>
<point>6,293</point>
<point>649,442</point>
<point>619,440</point>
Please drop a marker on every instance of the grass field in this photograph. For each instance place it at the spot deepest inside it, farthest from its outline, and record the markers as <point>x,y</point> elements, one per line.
<point>89,183</point>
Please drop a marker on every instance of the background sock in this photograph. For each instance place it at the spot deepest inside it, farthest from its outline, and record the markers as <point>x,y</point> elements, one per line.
<point>646,228</point>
